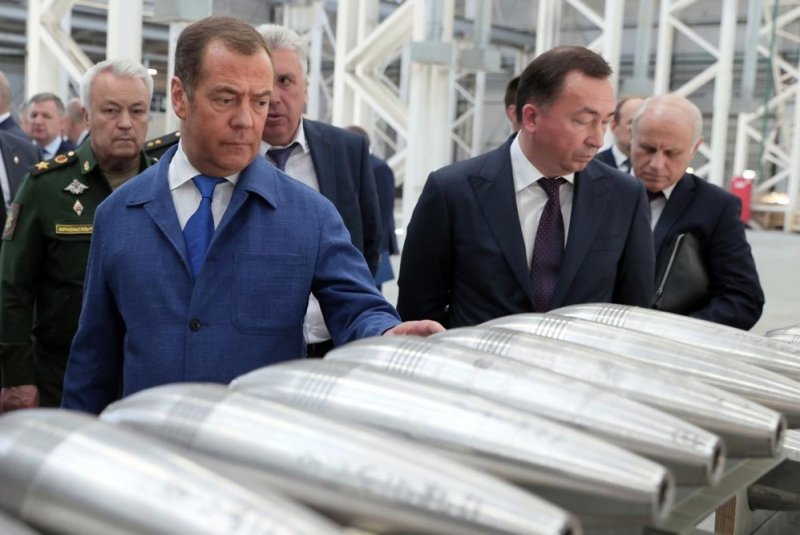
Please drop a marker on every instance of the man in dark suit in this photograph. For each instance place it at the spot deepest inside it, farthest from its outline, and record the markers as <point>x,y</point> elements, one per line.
<point>486,238</point>
<point>16,156</point>
<point>331,160</point>
<point>200,267</point>
<point>46,113</point>
<point>7,123</point>
<point>618,155</point>
<point>667,132</point>
<point>384,184</point>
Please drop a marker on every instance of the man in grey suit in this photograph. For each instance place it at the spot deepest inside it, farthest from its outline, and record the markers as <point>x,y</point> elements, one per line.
<point>331,160</point>
<point>619,154</point>
<point>536,223</point>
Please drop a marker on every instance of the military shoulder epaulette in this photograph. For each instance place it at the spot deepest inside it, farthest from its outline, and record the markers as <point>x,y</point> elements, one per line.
<point>59,161</point>
<point>162,142</point>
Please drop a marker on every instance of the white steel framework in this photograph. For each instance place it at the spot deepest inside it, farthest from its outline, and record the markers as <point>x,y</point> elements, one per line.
<point>772,126</point>
<point>720,72</point>
<point>53,57</point>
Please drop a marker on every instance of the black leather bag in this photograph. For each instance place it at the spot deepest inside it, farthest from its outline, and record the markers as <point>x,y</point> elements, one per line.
<point>682,283</point>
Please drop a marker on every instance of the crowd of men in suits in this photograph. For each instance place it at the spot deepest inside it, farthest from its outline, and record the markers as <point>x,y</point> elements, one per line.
<point>254,235</point>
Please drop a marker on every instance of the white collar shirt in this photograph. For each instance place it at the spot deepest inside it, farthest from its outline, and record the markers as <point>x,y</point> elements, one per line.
<point>531,198</point>
<point>185,195</point>
<point>657,205</point>
<point>300,166</point>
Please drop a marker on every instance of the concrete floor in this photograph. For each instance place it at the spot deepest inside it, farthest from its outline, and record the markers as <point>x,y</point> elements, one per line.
<point>777,256</point>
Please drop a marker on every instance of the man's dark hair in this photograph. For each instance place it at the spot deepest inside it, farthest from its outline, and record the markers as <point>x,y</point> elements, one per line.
<point>511,92</point>
<point>360,131</point>
<point>194,40</point>
<point>543,79</point>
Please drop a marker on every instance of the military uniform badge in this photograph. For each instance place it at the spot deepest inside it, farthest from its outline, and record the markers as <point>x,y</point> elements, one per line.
<point>76,188</point>
<point>11,221</point>
<point>78,207</point>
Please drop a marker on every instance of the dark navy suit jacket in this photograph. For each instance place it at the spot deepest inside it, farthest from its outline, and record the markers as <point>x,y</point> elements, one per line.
<point>711,214</point>
<point>344,173</point>
<point>384,184</point>
<point>18,156</point>
<point>66,146</point>
<point>607,157</point>
<point>146,321</point>
<point>11,126</point>
<point>464,258</point>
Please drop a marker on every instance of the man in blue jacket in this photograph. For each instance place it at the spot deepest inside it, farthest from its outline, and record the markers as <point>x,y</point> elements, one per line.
<point>201,267</point>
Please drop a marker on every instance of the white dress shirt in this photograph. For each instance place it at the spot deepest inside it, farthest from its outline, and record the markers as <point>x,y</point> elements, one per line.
<point>4,184</point>
<point>531,198</point>
<point>657,205</point>
<point>50,150</point>
<point>619,159</point>
<point>300,166</point>
<point>185,194</point>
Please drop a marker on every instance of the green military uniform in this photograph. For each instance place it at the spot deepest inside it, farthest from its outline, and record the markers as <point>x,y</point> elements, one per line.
<point>43,262</point>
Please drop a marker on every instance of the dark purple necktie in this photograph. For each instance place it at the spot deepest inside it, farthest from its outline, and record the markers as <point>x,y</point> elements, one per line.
<point>548,247</point>
<point>281,156</point>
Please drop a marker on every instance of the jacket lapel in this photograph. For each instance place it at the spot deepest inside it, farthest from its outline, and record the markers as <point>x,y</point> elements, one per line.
<point>323,158</point>
<point>678,201</point>
<point>588,204</point>
<point>494,191</point>
<point>156,199</point>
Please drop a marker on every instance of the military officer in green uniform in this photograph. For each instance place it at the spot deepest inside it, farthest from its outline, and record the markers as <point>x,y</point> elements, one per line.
<point>49,228</point>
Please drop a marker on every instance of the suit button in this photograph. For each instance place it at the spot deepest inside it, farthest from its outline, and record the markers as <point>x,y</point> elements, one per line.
<point>194,325</point>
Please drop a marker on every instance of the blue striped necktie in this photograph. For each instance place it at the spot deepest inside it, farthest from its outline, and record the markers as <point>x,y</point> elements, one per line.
<point>200,227</point>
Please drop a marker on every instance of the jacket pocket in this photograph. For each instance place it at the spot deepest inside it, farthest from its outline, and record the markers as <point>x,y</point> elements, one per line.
<point>269,291</point>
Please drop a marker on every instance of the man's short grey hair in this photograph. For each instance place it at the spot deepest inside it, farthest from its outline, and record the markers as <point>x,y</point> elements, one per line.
<point>278,36</point>
<point>121,68</point>
<point>675,103</point>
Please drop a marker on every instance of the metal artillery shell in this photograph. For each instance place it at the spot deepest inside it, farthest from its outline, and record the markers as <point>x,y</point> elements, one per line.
<point>735,344</point>
<point>597,481</point>
<point>356,475</point>
<point>756,384</point>
<point>68,473</point>
<point>692,454</point>
<point>12,526</point>
<point>749,429</point>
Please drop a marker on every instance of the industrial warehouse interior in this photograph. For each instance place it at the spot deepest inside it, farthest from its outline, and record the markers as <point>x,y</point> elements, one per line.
<point>400,266</point>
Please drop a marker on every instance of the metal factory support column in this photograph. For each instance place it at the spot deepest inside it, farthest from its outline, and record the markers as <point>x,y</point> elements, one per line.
<point>344,97</point>
<point>612,36</point>
<point>723,87</point>
<point>432,57</point>
<point>52,55</point>
<point>548,24</point>
<point>720,72</point>
<point>178,15</point>
<point>124,39</point>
